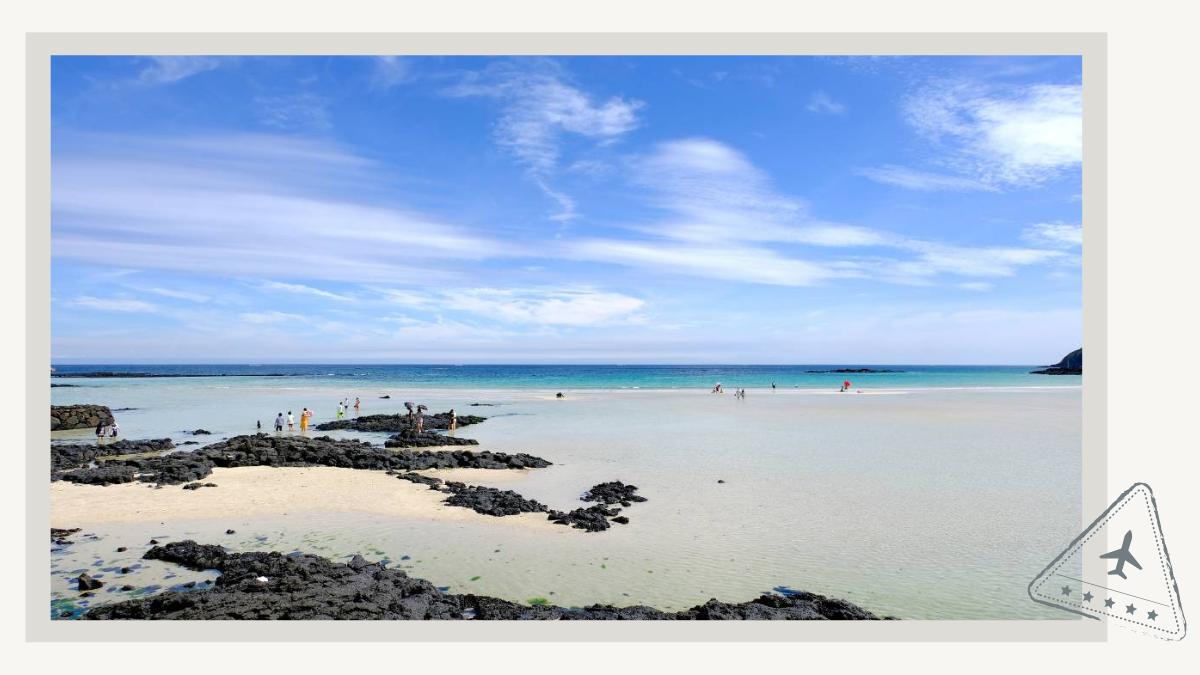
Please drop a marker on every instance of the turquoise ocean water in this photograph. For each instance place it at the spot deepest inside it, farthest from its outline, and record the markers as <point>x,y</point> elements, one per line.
<point>592,376</point>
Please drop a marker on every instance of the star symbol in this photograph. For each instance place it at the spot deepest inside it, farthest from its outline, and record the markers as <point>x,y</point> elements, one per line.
<point>1108,602</point>
<point>1066,590</point>
<point>1087,597</point>
<point>1130,609</point>
<point>1152,615</point>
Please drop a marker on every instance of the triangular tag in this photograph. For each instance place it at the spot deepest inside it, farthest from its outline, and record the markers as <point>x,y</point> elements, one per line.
<point>1118,568</point>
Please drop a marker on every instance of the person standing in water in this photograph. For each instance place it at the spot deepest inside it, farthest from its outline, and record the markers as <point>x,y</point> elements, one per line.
<point>357,403</point>
<point>304,420</point>
<point>291,421</point>
<point>453,420</point>
<point>341,411</point>
<point>421,418</point>
<point>114,429</point>
<point>279,423</point>
<point>100,431</point>
<point>258,425</point>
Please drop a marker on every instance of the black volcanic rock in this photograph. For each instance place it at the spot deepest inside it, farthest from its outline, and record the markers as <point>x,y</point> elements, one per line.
<point>86,583</point>
<point>426,439</point>
<point>491,501</point>
<point>613,492</point>
<point>64,417</point>
<point>591,519</point>
<point>201,432</point>
<point>310,587</point>
<point>397,423</point>
<point>70,455</point>
<point>1071,364</point>
<point>59,535</point>
<point>265,450</point>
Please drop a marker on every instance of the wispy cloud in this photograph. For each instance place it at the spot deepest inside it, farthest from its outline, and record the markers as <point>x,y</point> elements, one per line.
<point>538,306</point>
<point>1062,235</point>
<point>124,305</point>
<point>247,206</point>
<point>540,107</point>
<point>822,103</point>
<point>391,71</point>
<point>291,112</point>
<point>725,221</point>
<point>301,289</point>
<point>271,317</point>
<point>171,69</point>
<point>178,295</point>
<point>585,307</point>
<point>924,181</point>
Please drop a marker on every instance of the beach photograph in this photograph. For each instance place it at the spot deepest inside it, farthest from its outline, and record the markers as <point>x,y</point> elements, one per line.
<point>561,337</point>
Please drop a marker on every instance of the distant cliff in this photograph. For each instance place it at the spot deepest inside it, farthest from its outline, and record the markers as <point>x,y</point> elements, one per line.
<point>1071,364</point>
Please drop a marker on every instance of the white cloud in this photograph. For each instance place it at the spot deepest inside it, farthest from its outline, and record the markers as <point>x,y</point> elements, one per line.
<point>301,289</point>
<point>1061,235</point>
<point>124,305</point>
<point>171,69</point>
<point>924,181</point>
<point>1018,136</point>
<point>822,103</point>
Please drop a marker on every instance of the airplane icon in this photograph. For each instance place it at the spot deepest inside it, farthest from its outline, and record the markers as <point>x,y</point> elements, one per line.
<point>1122,556</point>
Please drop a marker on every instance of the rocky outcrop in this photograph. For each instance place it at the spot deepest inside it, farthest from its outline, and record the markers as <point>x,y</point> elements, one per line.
<point>491,501</point>
<point>613,492</point>
<point>302,586</point>
<point>71,455</point>
<point>1071,364</point>
<point>425,439</point>
<point>265,450</point>
<point>63,417</point>
<point>397,423</point>
<point>590,519</point>
<point>599,517</point>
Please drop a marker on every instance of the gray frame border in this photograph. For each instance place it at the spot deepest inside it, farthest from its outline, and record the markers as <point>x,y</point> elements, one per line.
<point>1093,47</point>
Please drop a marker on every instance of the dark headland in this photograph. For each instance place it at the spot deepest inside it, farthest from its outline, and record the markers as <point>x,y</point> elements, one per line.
<point>1071,364</point>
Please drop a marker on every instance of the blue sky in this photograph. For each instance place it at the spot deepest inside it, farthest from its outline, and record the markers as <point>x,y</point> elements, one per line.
<point>582,209</point>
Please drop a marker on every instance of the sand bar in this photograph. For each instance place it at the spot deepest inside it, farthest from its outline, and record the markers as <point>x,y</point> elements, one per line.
<point>274,491</point>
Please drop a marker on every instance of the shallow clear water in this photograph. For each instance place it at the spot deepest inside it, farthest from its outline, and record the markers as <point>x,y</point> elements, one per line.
<point>919,503</point>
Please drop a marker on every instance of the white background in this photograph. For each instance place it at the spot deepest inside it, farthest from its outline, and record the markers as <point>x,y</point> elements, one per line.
<point>1152,240</point>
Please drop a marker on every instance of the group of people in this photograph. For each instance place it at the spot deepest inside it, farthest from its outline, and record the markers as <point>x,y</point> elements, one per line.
<point>737,393</point>
<point>289,420</point>
<point>107,430</point>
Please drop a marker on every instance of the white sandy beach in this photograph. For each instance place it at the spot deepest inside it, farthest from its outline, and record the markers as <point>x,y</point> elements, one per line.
<point>263,491</point>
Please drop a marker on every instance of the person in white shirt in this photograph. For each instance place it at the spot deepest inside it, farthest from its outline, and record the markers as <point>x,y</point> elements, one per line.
<point>291,421</point>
